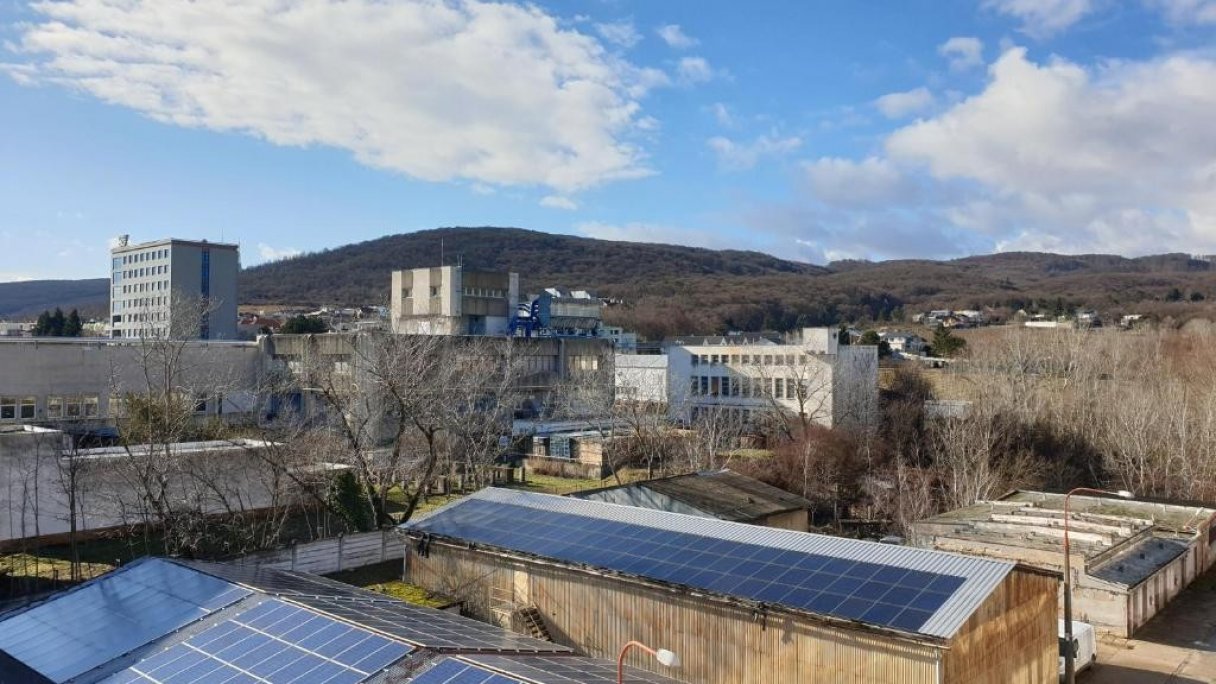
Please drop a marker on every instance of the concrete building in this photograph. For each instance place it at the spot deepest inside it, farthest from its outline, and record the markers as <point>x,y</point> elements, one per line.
<point>623,341</point>
<point>1129,558</point>
<point>65,382</point>
<point>450,300</point>
<point>162,620</point>
<point>828,383</point>
<point>740,604</point>
<point>721,494</point>
<point>41,475</point>
<point>641,377</point>
<point>174,288</point>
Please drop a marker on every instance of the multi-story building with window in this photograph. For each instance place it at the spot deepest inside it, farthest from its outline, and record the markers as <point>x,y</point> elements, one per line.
<point>450,300</point>
<point>174,288</point>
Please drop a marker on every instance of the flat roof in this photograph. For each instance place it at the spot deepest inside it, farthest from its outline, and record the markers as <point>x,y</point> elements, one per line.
<point>846,581</point>
<point>174,241</point>
<point>722,493</point>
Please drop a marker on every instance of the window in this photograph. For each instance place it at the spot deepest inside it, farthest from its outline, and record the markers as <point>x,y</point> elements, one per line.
<point>779,388</point>
<point>434,291</point>
<point>90,406</point>
<point>406,293</point>
<point>705,359</point>
<point>768,360</point>
<point>704,385</point>
<point>713,359</point>
<point>696,360</point>
<point>734,358</point>
<point>8,408</point>
<point>72,408</point>
<point>696,386</point>
<point>726,387</point>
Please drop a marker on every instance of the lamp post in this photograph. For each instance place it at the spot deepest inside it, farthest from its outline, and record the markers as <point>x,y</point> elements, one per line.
<point>1070,655</point>
<point>666,658</point>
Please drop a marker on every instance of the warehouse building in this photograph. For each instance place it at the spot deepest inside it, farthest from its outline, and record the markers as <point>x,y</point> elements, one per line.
<point>172,622</point>
<point>738,603</point>
<point>1129,557</point>
<point>722,494</point>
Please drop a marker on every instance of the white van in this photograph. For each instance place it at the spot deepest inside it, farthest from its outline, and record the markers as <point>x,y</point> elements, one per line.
<point>1086,646</point>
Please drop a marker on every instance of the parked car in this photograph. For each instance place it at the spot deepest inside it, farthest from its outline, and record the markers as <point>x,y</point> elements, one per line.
<point>1085,646</point>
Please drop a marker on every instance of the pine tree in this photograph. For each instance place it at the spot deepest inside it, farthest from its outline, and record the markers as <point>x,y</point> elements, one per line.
<point>73,326</point>
<point>42,327</point>
<point>57,323</point>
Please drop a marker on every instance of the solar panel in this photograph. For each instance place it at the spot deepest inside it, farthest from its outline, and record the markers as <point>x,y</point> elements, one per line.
<point>856,590</point>
<point>452,671</point>
<point>111,616</point>
<point>277,582</point>
<point>271,642</point>
<point>428,627</point>
<point>566,669</point>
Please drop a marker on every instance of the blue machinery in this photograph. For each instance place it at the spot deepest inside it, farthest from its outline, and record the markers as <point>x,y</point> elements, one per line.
<point>554,313</point>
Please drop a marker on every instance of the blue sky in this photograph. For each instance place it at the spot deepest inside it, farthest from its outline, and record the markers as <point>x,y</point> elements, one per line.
<point>810,130</point>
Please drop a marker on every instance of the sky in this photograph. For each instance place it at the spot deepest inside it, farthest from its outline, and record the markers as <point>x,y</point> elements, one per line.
<point>811,130</point>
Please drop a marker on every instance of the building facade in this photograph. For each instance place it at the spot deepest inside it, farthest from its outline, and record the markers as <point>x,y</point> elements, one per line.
<point>816,379</point>
<point>450,300</point>
<point>174,288</point>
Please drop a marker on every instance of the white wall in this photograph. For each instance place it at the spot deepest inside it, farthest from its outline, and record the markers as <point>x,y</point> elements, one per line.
<point>641,378</point>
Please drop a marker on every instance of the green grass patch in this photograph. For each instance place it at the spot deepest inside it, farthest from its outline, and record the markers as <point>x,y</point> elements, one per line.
<point>385,578</point>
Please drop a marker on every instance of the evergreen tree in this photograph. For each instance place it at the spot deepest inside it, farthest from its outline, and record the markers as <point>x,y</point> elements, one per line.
<point>57,323</point>
<point>842,337</point>
<point>349,500</point>
<point>303,324</point>
<point>73,326</point>
<point>946,344</point>
<point>42,327</point>
<point>1174,295</point>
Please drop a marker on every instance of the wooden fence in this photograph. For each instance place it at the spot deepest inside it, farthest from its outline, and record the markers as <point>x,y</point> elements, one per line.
<point>344,552</point>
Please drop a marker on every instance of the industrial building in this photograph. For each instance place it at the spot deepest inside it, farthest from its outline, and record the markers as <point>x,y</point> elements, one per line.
<point>450,300</point>
<point>815,378</point>
<point>183,289</point>
<point>172,622</point>
<point>49,488</point>
<point>1129,557</point>
<point>721,494</point>
<point>738,603</point>
<point>76,384</point>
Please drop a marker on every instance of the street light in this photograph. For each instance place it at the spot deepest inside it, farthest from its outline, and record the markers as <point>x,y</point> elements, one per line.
<point>666,658</point>
<point>1070,655</point>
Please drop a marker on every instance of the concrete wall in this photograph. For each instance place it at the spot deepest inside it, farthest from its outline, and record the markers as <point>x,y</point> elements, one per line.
<point>46,368</point>
<point>641,378</point>
<point>40,472</point>
<point>448,300</point>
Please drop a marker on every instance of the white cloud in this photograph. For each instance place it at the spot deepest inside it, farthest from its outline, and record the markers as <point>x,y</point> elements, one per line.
<point>733,156</point>
<point>722,115</point>
<point>867,183</point>
<point>693,70</point>
<point>558,202</point>
<point>268,253</point>
<point>1116,159</point>
<point>964,52</point>
<point>899,105</point>
<point>1184,12</point>
<point>14,277</point>
<point>620,33</point>
<point>1043,18</point>
<point>675,37</point>
<point>495,93</point>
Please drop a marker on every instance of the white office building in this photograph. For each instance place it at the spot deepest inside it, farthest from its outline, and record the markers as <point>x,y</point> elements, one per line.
<point>178,288</point>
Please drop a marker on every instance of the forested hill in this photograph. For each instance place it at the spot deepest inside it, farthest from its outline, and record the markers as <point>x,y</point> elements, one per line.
<point>670,289</point>
<point>26,299</point>
<point>360,272</point>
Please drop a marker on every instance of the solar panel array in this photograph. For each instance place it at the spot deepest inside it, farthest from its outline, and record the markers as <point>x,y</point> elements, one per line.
<point>874,593</point>
<point>428,627</point>
<point>452,671</point>
<point>271,642</point>
<point>105,619</point>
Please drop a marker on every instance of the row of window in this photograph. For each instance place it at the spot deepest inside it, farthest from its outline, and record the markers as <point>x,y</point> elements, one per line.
<point>776,388</point>
<point>139,257</point>
<point>484,292</point>
<point>409,292</point>
<point>57,407</point>
<point>748,359</point>
<point>139,302</point>
<point>154,286</point>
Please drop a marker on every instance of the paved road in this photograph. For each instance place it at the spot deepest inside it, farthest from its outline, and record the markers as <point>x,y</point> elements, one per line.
<point>1176,647</point>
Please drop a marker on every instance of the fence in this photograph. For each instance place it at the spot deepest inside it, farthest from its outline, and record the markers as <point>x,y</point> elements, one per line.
<point>344,552</point>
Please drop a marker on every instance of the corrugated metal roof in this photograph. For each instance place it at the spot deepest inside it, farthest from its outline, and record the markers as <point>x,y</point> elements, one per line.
<point>980,575</point>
